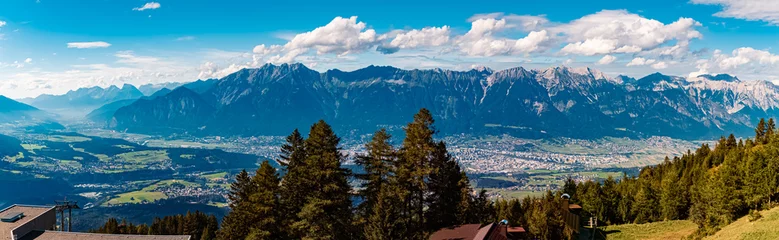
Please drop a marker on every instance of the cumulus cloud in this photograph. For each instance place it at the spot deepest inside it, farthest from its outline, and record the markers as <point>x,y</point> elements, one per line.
<point>520,22</point>
<point>745,62</point>
<point>618,31</point>
<point>210,70</point>
<point>88,44</point>
<point>425,37</point>
<point>148,6</point>
<point>480,40</point>
<point>341,36</point>
<point>753,10</point>
<point>639,61</point>
<point>660,65</point>
<point>2,23</point>
<point>608,59</point>
<point>744,56</point>
<point>28,60</point>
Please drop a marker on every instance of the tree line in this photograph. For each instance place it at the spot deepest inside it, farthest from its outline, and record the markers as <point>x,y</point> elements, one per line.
<point>198,225</point>
<point>403,193</point>
<point>711,187</point>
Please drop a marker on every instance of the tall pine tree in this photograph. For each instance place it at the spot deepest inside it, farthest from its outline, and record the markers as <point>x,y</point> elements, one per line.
<point>327,212</point>
<point>412,169</point>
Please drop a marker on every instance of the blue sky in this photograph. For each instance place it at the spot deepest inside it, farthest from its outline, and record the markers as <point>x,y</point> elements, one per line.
<point>52,46</point>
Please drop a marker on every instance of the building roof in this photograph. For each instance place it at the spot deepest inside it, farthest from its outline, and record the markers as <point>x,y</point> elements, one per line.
<point>574,207</point>
<point>461,232</point>
<point>516,230</point>
<point>29,212</point>
<point>56,235</point>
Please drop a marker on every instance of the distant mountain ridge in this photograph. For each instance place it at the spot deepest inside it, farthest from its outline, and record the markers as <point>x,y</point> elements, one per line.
<point>14,111</point>
<point>558,101</point>
<point>94,97</point>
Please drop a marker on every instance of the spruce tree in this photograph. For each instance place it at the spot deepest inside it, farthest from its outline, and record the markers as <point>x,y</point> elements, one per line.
<point>377,165</point>
<point>760,131</point>
<point>444,198</point>
<point>412,169</point>
<point>327,212</point>
<point>292,198</point>
<point>384,221</point>
<point>234,223</point>
<point>264,205</point>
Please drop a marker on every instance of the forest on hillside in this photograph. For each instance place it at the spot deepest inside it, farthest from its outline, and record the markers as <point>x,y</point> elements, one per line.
<point>411,191</point>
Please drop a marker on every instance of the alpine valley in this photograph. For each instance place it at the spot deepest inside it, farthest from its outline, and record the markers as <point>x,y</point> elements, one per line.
<point>128,151</point>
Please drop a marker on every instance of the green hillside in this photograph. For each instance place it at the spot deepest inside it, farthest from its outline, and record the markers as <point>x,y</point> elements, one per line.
<point>763,228</point>
<point>664,230</point>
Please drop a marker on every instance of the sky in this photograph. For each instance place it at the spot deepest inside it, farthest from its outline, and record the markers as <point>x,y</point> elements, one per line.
<point>53,46</point>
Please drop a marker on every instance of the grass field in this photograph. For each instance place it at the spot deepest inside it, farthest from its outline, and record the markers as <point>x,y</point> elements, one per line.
<point>149,193</point>
<point>214,176</point>
<point>143,157</point>
<point>32,147</point>
<point>137,197</point>
<point>67,139</point>
<point>764,228</point>
<point>514,194</point>
<point>651,231</point>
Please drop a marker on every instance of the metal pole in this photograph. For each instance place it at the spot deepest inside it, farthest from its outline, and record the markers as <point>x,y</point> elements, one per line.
<point>70,211</point>
<point>62,220</point>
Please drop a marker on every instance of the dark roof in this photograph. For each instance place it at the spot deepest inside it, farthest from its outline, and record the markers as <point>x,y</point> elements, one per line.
<point>516,230</point>
<point>29,212</point>
<point>57,235</point>
<point>461,232</point>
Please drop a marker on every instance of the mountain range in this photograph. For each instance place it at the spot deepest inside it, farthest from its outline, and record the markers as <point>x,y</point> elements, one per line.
<point>559,101</point>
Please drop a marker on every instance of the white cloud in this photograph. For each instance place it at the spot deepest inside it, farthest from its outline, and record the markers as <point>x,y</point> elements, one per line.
<point>148,6</point>
<point>752,10</point>
<point>606,60</point>
<point>532,42</point>
<point>426,37</point>
<point>2,23</point>
<point>88,44</point>
<point>660,65</point>
<point>520,22</point>
<point>639,61</point>
<point>28,60</point>
<point>480,40</point>
<point>210,70</point>
<point>744,56</point>
<point>618,31</point>
<point>129,57</point>
<point>342,36</point>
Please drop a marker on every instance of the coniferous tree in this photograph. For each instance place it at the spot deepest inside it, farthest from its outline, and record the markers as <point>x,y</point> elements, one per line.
<point>760,131</point>
<point>384,220</point>
<point>377,165</point>
<point>327,212</point>
<point>770,129</point>
<point>412,169</point>
<point>264,205</point>
<point>444,199</point>
<point>292,158</point>
<point>234,224</point>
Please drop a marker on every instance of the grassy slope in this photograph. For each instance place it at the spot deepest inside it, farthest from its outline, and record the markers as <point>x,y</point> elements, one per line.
<point>651,231</point>
<point>766,227</point>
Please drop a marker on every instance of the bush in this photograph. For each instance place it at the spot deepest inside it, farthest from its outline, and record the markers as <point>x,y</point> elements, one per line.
<point>754,215</point>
